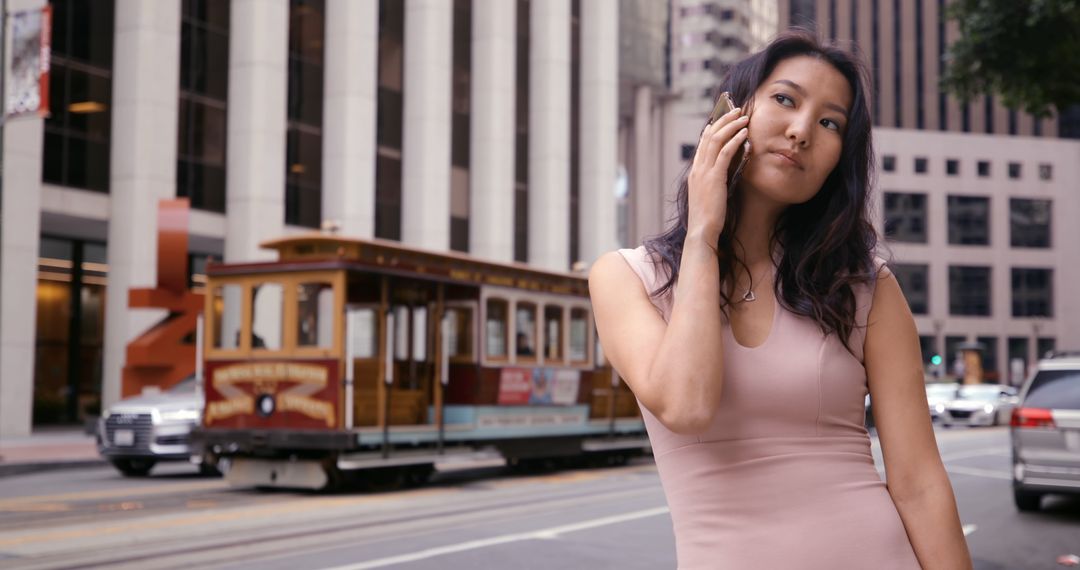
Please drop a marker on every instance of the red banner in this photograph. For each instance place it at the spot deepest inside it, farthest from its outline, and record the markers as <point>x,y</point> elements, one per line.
<point>295,394</point>
<point>31,48</point>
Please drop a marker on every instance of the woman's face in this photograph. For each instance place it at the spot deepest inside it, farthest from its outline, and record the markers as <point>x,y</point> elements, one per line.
<point>801,111</point>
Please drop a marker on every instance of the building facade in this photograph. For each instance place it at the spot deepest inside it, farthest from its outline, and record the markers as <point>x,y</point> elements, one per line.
<point>490,127</point>
<point>974,200</point>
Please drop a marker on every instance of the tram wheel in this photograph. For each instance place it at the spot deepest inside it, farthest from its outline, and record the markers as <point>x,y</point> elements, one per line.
<point>417,475</point>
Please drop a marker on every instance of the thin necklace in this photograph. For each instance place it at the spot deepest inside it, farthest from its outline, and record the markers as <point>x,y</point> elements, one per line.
<point>749,296</point>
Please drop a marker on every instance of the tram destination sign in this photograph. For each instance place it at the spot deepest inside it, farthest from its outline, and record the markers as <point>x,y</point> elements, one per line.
<point>294,394</point>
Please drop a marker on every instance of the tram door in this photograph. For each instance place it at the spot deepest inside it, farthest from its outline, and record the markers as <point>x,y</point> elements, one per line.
<point>411,388</point>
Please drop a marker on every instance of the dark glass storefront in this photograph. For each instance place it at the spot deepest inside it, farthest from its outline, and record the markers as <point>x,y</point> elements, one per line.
<point>70,331</point>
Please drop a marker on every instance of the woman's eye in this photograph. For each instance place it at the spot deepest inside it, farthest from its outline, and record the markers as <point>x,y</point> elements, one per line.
<point>782,98</point>
<point>835,126</point>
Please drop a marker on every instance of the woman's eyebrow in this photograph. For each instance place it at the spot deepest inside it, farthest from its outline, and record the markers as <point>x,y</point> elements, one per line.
<point>802,92</point>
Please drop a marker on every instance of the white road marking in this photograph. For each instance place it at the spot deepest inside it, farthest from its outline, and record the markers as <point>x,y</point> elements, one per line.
<point>995,451</point>
<point>542,534</point>
<point>969,528</point>
<point>976,472</point>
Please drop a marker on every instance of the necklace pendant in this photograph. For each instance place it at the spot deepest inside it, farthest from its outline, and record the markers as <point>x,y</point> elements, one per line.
<point>749,295</point>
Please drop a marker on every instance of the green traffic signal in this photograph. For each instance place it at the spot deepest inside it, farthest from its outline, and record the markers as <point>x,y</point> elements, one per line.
<point>935,359</point>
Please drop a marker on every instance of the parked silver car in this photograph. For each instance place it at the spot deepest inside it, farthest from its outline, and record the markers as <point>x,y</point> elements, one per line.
<point>1045,432</point>
<point>136,433</point>
<point>980,405</point>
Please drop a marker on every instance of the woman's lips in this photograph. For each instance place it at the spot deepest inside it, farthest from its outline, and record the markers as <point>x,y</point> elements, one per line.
<point>785,160</point>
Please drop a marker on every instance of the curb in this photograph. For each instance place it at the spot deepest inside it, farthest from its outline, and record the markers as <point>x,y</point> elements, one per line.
<point>13,469</point>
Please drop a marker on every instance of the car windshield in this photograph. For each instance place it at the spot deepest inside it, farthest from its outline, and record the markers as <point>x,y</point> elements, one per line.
<point>941,390</point>
<point>986,393</point>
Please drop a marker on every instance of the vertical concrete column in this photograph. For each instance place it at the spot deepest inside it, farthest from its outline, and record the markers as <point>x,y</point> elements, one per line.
<point>258,86</point>
<point>19,244</point>
<point>146,77</point>
<point>599,126</point>
<point>549,134</point>
<point>352,58</point>
<point>491,152</point>
<point>642,190</point>
<point>425,152</point>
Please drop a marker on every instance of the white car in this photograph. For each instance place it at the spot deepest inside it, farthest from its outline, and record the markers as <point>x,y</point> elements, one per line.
<point>938,395</point>
<point>980,405</point>
<point>136,433</point>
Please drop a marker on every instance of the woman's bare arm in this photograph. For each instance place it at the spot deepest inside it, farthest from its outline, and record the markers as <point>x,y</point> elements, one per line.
<point>917,480</point>
<point>674,369</point>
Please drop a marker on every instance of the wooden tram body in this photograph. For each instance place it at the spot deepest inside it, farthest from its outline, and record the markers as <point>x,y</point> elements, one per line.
<point>349,356</point>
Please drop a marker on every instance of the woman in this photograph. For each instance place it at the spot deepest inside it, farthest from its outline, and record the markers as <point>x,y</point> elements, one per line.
<point>751,331</point>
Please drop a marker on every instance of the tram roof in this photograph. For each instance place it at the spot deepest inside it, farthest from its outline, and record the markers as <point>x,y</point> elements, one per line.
<point>313,251</point>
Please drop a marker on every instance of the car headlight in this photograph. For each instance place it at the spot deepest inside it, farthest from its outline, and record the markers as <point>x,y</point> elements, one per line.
<point>179,416</point>
<point>989,408</point>
<point>940,408</point>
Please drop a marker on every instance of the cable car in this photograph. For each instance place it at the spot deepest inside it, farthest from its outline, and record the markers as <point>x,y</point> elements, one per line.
<point>362,358</point>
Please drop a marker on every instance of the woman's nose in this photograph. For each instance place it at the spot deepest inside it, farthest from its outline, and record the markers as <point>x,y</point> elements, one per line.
<point>798,132</point>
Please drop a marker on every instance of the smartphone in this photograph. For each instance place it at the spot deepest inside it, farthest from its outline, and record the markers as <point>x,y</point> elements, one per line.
<point>724,105</point>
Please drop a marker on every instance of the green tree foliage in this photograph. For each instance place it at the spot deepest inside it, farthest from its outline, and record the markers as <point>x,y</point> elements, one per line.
<point>1026,51</point>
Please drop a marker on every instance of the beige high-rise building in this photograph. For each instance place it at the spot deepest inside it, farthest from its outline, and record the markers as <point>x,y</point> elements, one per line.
<point>903,43</point>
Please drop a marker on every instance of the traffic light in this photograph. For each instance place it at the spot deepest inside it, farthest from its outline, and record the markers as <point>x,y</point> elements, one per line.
<point>936,367</point>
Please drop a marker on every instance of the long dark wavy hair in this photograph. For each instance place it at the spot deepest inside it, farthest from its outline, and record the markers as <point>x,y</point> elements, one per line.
<point>827,244</point>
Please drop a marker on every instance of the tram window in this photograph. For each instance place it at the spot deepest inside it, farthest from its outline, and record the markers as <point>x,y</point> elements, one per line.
<point>364,334</point>
<point>266,301</point>
<point>227,308</point>
<point>419,334</point>
<point>460,339</point>
<point>496,328</point>
<point>401,333</point>
<point>579,335</point>
<point>315,315</point>
<point>525,325</point>
<point>553,318</point>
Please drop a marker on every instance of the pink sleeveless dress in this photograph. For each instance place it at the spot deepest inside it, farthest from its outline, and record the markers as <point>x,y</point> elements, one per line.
<point>783,478</point>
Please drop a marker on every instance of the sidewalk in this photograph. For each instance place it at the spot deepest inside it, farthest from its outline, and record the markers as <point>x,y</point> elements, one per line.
<point>48,450</point>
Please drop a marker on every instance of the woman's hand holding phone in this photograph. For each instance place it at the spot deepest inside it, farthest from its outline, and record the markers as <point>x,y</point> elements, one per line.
<point>719,147</point>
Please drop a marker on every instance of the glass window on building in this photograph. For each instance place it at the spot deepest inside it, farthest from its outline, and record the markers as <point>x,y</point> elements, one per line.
<point>1046,171</point>
<point>315,315</point>
<point>70,331</point>
<point>553,333</point>
<point>1014,170</point>
<point>983,168</point>
<point>303,168</point>
<point>989,357</point>
<point>77,132</point>
<point>461,97</point>
<point>954,365</point>
<point>388,131</point>
<point>905,217</point>
<point>914,280</point>
<point>920,165</point>
<point>1018,359</point>
<point>1044,346</point>
<point>888,163</point>
<point>496,327</point>
<point>204,94</point>
<point>969,220</point>
<point>521,132</point>
<point>1029,222</point>
<point>928,347</point>
<point>952,167</point>
<point>969,291</point>
<point>1032,292</point>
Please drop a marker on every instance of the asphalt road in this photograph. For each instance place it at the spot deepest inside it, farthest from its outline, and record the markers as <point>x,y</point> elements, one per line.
<point>482,518</point>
